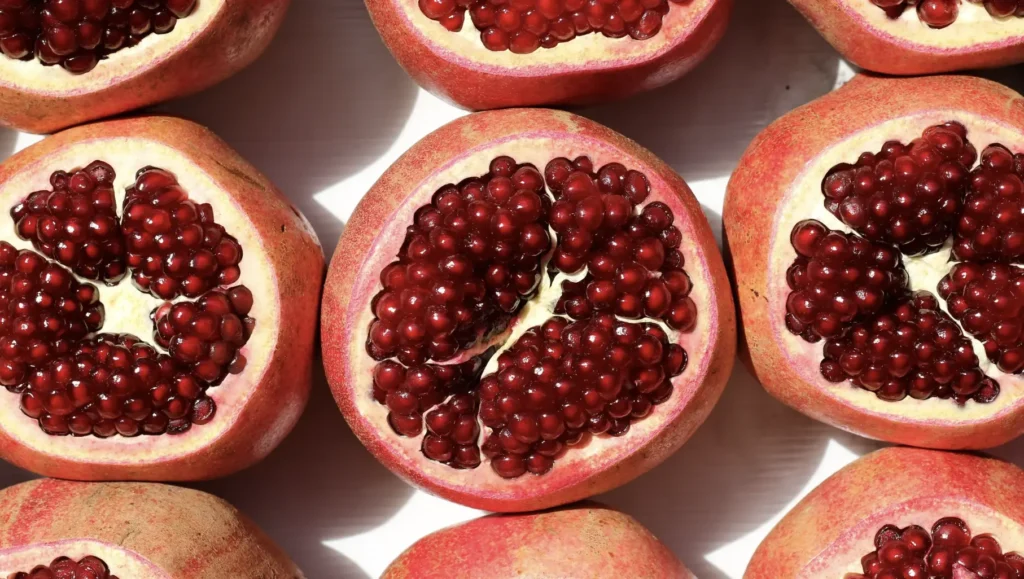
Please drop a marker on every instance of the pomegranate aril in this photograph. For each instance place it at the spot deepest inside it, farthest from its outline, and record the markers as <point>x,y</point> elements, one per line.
<point>988,300</point>
<point>991,226</point>
<point>88,567</point>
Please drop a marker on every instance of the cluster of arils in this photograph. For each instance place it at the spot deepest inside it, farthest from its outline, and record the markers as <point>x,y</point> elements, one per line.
<point>942,13</point>
<point>852,289</point>
<point>71,378</point>
<point>523,26</point>
<point>472,259</point>
<point>914,552</point>
<point>77,34</point>
<point>88,567</point>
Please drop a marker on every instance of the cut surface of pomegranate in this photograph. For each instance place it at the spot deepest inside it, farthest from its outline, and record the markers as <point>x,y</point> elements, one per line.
<point>65,62</point>
<point>127,309</point>
<point>55,529</point>
<point>487,54</point>
<point>913,37</point>
<point>902,513</point>
<point>889,262</point>
<point>554,543</point>
<point>544,312</point>
<point>77,34</point>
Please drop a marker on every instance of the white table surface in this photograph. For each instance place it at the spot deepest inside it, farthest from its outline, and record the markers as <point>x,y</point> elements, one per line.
<point>326,110</point>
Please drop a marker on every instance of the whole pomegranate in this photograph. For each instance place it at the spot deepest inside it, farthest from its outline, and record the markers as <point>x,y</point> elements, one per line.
<point>528,309</point>
<point>877,248</point>
<point>158,303</point>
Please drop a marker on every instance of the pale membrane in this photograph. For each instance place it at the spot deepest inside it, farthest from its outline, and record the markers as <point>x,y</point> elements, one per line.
<point>538,150</point>
<point>804,200</point>
<point>973,26</point>
<point>128,309</point>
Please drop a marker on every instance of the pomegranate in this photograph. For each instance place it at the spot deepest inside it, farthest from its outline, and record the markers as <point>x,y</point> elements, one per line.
<point>569,542</point>
<point>55,529</point>
<point>566,322</point>
<point>877,259</point>
<point>910,37</point>
<point>64,62</point>
<point>485,54</point>
<point>145,279</point>
<point>902,512</point>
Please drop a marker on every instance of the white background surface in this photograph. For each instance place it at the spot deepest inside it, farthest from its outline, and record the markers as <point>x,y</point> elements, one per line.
<point>326,110</point>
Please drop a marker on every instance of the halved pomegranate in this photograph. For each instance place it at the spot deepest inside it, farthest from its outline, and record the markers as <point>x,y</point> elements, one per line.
<point>876,236</point>
<point>486,54</point>
<point>903,513</point>
<point>158,303</point>
<point>512,329</point>
<point>64,62</point>
<point>55,529</point>
<point>574,541</point>
<point>908,37</point>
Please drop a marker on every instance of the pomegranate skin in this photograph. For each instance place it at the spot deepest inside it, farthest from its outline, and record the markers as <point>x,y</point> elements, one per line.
<point>155,530</point>
<point>461,75</point>
<point>756,200</point>
<point>186,62</point>
<point>864,35</point>
<point>569,543</point>
<point>264,405</point>
<point>367,246</point>
<point>828,532</point>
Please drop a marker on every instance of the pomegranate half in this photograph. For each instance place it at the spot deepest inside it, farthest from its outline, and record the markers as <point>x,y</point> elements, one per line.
<point>584,541</point>
<point>876,238</point>
<point>158,303</point>
<point>902,512</point>
<point>566,322</point>
<point>53,529</point>
<point>910,37</point>
<point>488,54</point>
<point>65,62</point>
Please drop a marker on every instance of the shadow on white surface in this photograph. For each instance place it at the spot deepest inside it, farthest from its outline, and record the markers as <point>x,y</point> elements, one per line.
<point>769,62</point>
<point>319,485</point>
<point>326,100</point>
<point>7,140</point>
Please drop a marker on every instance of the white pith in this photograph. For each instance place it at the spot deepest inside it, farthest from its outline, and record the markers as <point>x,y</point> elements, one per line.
<point>128,309</point>
<point>973,26</point>
<point>32,76</point>
<point>122,562</point>
<point>804,200</point>
<point>584,52</point>
<point>594,455</point>
<point>843,555</point>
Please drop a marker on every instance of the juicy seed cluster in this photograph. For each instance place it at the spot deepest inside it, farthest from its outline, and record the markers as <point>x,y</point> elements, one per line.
<point>838,278</point>
<point>76,223</point>
<point>88,567</point>
<point>44,312</point>
<point>77,34</point>
<point>942,13</point>
<point>907,196</point>
<point>991,227</point>
<point>205,336</point>
<point>523,26</point>
<point>174,245</point>
<point>988,300</point>
<point>916,350</point>
<point>471,260</point>
<point>914,552</point>
<point>563,379</point>
<point>75,381</point>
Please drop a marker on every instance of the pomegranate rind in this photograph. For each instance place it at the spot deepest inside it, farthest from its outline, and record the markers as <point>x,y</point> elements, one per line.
<point>757,200</point>
<point>864,35</point>
<point>588,69</point>
<point>827,533</point>
<point>165,531</point>
<point>218,40</point>
<point>283,266</point>
<point>572,542</point>
<point>373,236</point>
